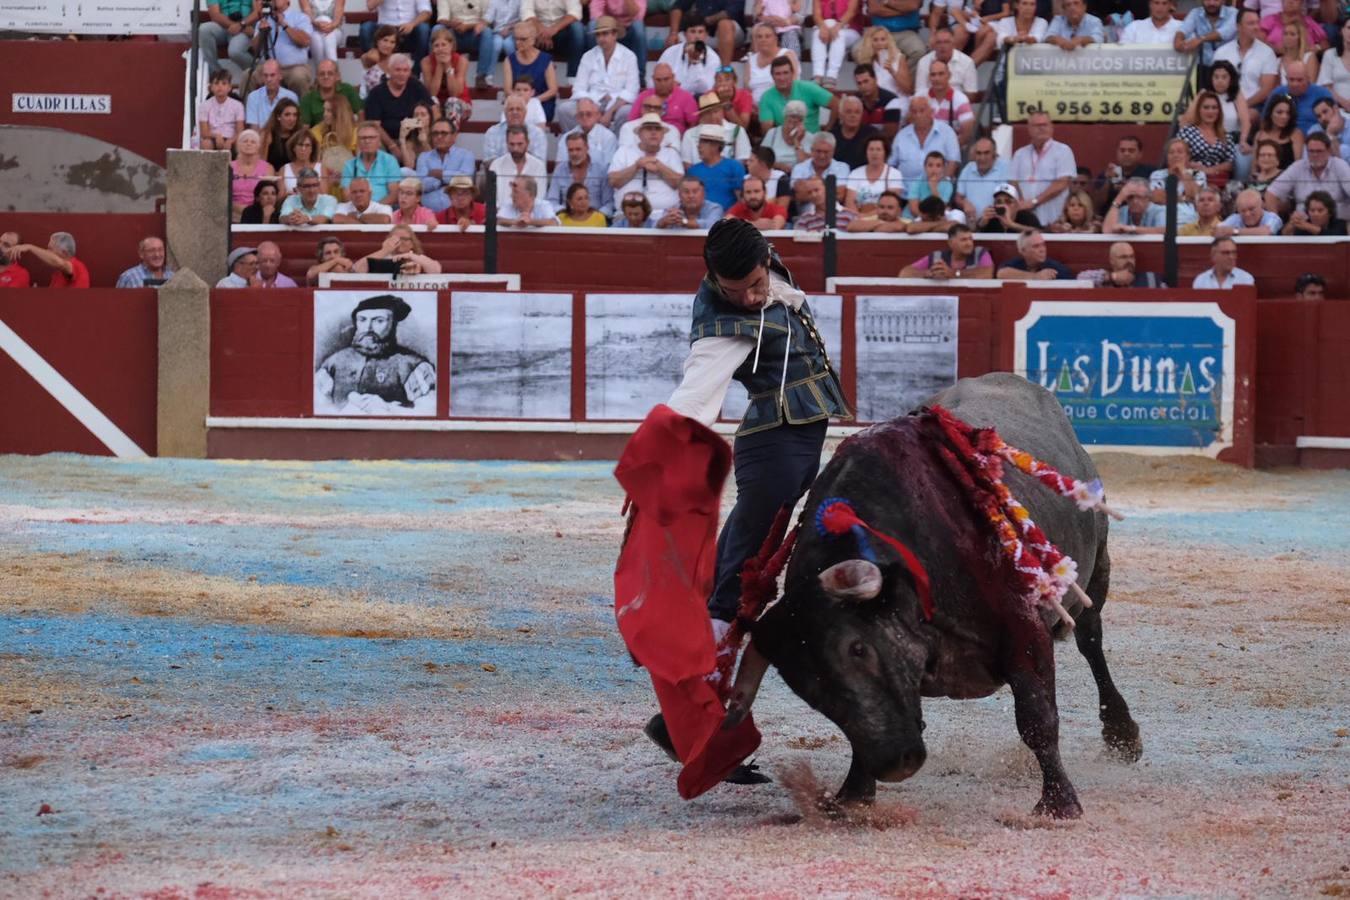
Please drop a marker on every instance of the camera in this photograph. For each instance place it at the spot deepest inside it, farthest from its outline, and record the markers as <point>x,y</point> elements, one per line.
<point>1000,210</point>
<point>267,9</point>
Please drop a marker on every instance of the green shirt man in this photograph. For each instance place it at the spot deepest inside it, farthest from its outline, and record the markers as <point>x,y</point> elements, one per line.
<point>786,88</point>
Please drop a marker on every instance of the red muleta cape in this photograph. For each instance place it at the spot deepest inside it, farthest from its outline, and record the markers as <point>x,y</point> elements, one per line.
<point>673,469</point>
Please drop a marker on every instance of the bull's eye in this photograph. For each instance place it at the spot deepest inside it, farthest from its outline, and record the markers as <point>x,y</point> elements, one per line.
<point>857,649</point>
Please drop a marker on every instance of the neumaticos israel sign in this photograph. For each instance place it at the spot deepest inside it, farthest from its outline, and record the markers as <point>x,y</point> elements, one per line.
<point>1135,375</point>
<point>62,104</point>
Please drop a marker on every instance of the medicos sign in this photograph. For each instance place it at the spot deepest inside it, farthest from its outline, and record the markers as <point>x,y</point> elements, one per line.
<point>1135,376</point>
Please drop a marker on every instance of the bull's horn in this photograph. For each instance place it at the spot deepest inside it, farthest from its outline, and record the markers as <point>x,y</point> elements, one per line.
<point>852,579</point>
<point>748,677</point>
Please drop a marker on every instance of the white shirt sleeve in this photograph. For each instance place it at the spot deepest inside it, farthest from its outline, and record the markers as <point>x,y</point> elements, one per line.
<point>707,375</point>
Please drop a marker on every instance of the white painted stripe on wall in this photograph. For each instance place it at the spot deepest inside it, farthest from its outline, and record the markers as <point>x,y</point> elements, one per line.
<point>1312,442</point>
<point>522,426</point>
<point>54,383</point>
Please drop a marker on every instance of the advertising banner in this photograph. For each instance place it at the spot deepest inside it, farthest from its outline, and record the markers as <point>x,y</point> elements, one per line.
<point>97,17</point>
<point>1135,375</point>
<point>1101,83</point>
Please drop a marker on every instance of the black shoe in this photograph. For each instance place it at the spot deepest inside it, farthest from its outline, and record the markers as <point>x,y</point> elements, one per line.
<point>660,736</point>
<point>747,773</point>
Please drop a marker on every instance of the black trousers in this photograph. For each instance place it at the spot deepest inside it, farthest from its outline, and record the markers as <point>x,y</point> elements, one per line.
<point>773,469</point>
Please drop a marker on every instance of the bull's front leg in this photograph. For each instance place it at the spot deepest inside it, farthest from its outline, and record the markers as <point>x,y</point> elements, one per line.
<point>859,786</point>
<point>1032,679</point>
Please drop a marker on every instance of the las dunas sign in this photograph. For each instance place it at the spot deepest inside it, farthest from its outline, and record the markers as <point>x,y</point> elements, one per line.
<point>1135,376</point>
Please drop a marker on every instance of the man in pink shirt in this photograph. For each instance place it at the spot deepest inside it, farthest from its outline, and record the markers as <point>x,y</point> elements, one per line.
<point>681,109</point>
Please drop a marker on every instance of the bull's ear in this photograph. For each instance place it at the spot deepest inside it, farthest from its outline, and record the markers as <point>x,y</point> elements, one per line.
<point>853,580</point>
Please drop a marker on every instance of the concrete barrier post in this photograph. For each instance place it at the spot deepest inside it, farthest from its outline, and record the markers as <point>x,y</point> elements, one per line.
<point>184,365</point>
<point>197,211</point>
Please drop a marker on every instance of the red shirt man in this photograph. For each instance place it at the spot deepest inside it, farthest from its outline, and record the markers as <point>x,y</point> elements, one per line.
<point>60,255</point>
<point>12,275</point>
<point>756,208</point>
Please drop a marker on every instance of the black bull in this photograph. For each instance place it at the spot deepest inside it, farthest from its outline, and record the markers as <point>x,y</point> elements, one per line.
<point>850,639</point>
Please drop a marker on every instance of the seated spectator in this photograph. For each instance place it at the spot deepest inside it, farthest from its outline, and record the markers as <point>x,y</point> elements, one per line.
<point>1334,74</point>
<point>1075,27</point>
<point>1224,274</point>
<point>445,74</point>
<point>269,268</point>
<point>1005,215</point>
<point>934,216</point>
<point>578,213</point>
<point>790,142</point>
<point>822,164</point>
<point>246,169</point>
<point>678,106</point>
<point>1316,219</point>
<point>1023,26</point>
<point>902,21</point>
<point>1134,211</point>
<point>784,17</point>
<point>284,38</point>
<point>722,19</point>
<point>1310,286</point>
<point>282,125</point>
<point>523,208</point>
<point>60,255</point>
<point>635,212</point>
<point>811,207</point>
<point>1225,82</point>
<point>377,58</point>
<point>414,135</point>
<point>502,16</point>
<point>12,275</point>
<point>1297,47</point>
<point>850,133</point>
<point>608,77</point>
<point>1277,126</point>
<point>889,67</point>
<point>410,21</point>
<point>1128,165</point>
<point>1292,17</point>
<point>961,67</point>
<point>628,131</point>
<point>1204,29</point>
<point>785,89</point>
<point>838,23</point>
<point>336,134</point>
<point>308,206</point>
<point>260,102</point>
<point>961,259</point>
<point>868,182</point>
<point>1208,212</point>
<point>581,169</point>
<point>396,99</point>
<point>1159,28</point>
<point>529,59</point>
<point>966,27</point>
<point>516,163</point>
<point>227,23</point>
<point>266,206</point>
<point>922,136</point>
<point>1303,93</point>
<point>410,210</point>
<point>1211,151</point>
<point>883,216</point>
<point>737,140</point>
<point>1255,62</point>
<point>765,48</point>
<point>720,177</point>
<point>1249,218</point>
<point>1043,169</point>
<point>648,168</point>
<point>756,208</point>
<point>441,163</point>
<point>1079,216</point>
<point>1033,262</point>
<point>1190,179</point>
<point>693,210</point>
<point>738,107</point>
<point>513,110</point>
<point>1120,271</point>
<point>558,31</point>
<point>327,18</point>
<point>760,165</point>
<point>934,183</point>
<point>632,32</point>
<point>1266,168</point>
<point>242,266</point>
<point>221,117</point>
<point>360,208</point>
<point>1331,122</point>
<point>694,65</point>
<point>466,20</point>
<point>380,170</point>
<point>400,254</point>
<point>600,140</point>
<point>979,177</point>
<point>1317,171</point>
<point>463,210</point>
<point>303,151</point>
<point>950,105</point>
<point>331,257</point>
<point>881,109</point>
<point>152,266</point>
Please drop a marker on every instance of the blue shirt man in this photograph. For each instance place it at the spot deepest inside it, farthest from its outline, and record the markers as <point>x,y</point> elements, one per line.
<point>261,101</point>
<point>373,164</point>
<point>441,163</point>
<point>1205,28</point>
<point>909,149</point>
<point>1304,95</point>
<point>721,177</point>
<point>981,175</point>
<point>1075,28</point>
<point>693,210</point>
<point>288,24</point>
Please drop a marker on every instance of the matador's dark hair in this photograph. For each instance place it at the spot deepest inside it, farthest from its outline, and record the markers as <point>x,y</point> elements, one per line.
<point>733,248</point>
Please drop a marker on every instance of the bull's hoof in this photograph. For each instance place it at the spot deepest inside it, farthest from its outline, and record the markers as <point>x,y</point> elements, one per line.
<point>660,736</point>
<point>1123,742</point>
<point>747,773</point>
<point>1059,807</point>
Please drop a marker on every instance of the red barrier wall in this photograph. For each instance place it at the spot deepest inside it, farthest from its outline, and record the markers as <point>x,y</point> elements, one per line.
<point>1303,374</point>
<point>145,81</point>
<point>105,242</point>
<point>104,342</point>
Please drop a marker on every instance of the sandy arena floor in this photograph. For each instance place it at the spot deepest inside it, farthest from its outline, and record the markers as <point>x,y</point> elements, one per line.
<point>389,680</point>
